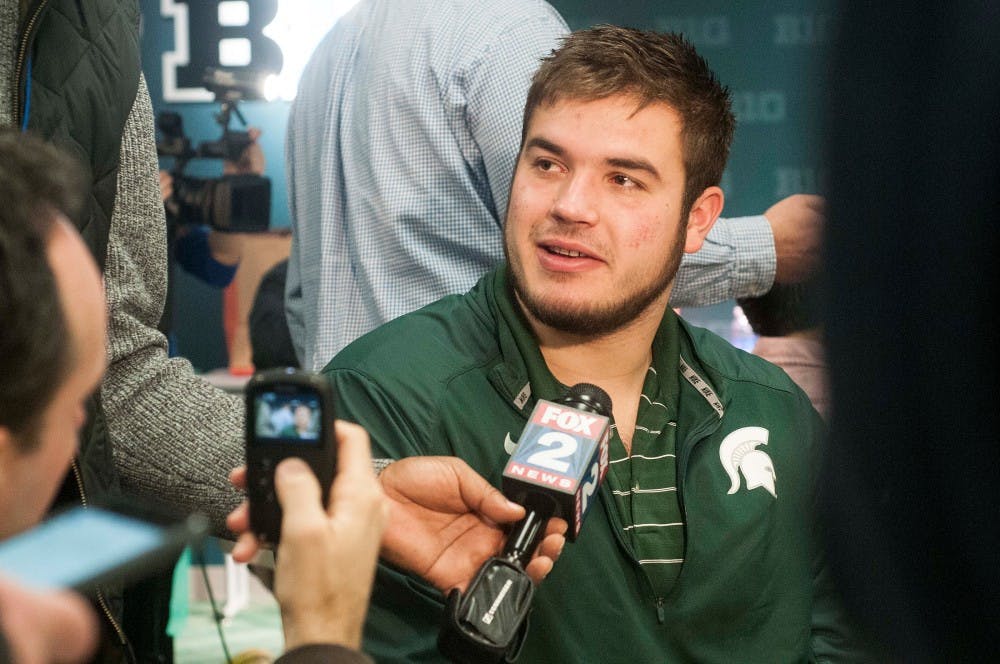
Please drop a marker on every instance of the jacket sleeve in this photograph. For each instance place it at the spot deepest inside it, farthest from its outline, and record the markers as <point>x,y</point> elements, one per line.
<point>493,114</point>
<point>174,436</point>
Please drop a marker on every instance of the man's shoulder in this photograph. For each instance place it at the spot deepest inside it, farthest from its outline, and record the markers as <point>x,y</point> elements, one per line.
<point>733,365</point>
<point>499,13</point>
<point>472,31</point>
<point>411,379</point>
<point>426,348</point>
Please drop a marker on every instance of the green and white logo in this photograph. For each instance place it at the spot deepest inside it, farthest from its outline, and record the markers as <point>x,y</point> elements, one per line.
<point>739,454</point>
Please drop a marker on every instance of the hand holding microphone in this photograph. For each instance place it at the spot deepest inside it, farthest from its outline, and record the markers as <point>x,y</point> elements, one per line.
<point>560,461</point>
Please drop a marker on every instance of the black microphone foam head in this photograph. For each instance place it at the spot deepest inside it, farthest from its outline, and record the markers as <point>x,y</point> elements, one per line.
<point>588,397</point>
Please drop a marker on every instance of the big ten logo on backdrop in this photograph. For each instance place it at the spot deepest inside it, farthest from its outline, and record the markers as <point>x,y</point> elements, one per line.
<point>216,33</point>
<point>790,180</point>
<point>760,106</point>
<point>709,32</point>
<point>813,32</point>
<point>703,31</point>
<point>802,29</point>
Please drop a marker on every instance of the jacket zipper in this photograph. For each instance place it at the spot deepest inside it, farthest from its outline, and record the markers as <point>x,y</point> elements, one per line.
<point>612,511</point>
<point>100,594</point>
<point>22,51</point>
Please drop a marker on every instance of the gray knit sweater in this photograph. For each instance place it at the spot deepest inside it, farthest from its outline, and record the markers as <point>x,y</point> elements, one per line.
<point>174,436</point>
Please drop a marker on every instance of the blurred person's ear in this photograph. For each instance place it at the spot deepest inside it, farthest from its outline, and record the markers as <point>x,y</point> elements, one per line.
<point>10,453</point>
<point>8,447</point>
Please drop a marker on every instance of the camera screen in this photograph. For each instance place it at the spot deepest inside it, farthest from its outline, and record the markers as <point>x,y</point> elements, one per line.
<point>291,418</point>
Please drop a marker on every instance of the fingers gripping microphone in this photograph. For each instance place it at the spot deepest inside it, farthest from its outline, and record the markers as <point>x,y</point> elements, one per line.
<point>560,461</point>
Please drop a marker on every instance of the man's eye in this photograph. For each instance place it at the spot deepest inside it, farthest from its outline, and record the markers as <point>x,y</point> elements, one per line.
<point>624,181</point>
<point>545,165</point>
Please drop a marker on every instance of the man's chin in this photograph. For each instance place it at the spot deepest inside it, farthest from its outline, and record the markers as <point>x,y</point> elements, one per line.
<point>578,311</point>
<point>571,318</point>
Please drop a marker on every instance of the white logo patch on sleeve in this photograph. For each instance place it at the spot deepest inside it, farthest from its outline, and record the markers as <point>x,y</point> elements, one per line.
<point>739,454</point>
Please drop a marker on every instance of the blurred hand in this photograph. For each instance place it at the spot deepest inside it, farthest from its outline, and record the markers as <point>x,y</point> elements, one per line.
<point>251,161</point>
<point>444,522</point>
<point>226,248</point>
<point>167,192</point>
<point>797,223</point>
<point>43,627</point>
<point>166,185</point>
<point>325,564</point>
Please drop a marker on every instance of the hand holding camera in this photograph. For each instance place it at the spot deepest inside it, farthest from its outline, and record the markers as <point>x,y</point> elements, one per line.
<point>326,530</point>
<point>289,414</point>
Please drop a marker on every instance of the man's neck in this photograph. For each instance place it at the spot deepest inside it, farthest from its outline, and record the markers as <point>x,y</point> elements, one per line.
<point>616,362</point>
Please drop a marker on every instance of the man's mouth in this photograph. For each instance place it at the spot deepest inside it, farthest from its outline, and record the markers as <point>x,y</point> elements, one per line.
<point>559,251</point>
<point>558,257</point>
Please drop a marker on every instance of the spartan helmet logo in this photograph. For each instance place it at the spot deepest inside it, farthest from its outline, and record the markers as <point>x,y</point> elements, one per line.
<point>739,453</point>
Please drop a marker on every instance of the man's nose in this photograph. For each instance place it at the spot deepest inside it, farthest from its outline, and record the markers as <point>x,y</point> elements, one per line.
<point>576,200</point>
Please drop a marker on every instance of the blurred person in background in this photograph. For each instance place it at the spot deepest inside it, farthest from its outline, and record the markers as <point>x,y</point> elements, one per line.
<point>790,334</point>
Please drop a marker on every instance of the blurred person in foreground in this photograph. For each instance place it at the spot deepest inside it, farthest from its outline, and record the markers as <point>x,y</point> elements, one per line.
<point>52,357</point>
<point>52,341</point>
<point>910,486</point>
<point>70,74</point>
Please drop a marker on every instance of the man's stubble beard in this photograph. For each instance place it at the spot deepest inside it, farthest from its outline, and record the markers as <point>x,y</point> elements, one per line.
<point>596,320</point>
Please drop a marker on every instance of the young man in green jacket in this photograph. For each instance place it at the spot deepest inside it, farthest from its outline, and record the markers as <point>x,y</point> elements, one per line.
<point>703,547</point>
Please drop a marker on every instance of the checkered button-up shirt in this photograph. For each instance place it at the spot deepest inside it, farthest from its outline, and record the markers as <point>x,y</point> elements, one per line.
<point>401,148</point>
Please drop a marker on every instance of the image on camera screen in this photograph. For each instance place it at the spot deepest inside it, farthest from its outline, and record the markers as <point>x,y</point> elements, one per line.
<point>292,418</point>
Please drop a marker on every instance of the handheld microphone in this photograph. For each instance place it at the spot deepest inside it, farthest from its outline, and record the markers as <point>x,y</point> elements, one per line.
<point>561,459</point>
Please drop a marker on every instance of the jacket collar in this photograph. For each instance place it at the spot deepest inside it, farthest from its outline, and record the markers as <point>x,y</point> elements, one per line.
<point>702,401</point>
<point>523,377</point>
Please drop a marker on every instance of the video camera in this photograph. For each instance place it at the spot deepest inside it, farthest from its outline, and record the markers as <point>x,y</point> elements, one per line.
<point>235,203</point>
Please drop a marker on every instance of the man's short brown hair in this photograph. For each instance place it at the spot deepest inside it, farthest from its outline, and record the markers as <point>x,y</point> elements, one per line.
<point>36,182</point>
<point>653,67</point>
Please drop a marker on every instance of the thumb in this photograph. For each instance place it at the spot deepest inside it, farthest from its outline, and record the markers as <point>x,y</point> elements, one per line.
<point>483,497</point>
<point>299,493</point>
<point>497,507</point>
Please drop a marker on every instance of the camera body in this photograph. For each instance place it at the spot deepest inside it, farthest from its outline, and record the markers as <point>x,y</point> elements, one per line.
<point>234,203</point>
<point>289,413</point>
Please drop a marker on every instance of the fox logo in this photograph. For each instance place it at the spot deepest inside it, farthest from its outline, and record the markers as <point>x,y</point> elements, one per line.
<point>739,454</point>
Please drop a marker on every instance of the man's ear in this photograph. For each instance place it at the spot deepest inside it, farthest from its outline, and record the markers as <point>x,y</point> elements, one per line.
<point>705,210</point>
<point>8,449</point>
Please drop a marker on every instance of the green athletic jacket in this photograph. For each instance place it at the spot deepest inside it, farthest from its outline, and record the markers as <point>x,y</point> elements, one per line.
<point>459,376</point>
